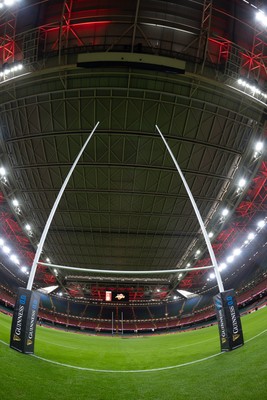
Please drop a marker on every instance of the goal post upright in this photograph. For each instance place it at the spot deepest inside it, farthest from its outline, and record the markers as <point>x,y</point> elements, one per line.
<point>200,220</point>
<point>229,323</point>
<point>26,308</point>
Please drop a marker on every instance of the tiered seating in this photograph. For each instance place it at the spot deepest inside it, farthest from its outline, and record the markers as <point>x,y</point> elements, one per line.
<point>45,302</point>
<point>7,298</point>
<point>77,308</point>
<point>146,325</point>
<point>98,317</point>
<point>190,304</point>
<point>106,313</point>
<point>253,292</point>
<point>158,311</point>
<point>142,313</point>
<point>127,313</point>
<point>175,308</point>
<point>93,311</point>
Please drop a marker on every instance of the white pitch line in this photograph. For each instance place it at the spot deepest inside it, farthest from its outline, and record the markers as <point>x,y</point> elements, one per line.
<point>127,371</point>
<point>137,370</point>
<point>254,337</point>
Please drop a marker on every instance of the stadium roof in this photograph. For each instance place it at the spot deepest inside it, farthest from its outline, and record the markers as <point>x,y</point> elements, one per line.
<point>130,66</point>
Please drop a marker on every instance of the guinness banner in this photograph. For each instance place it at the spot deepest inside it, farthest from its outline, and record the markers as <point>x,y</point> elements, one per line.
<point>24,321</point>
<point>229,323</point>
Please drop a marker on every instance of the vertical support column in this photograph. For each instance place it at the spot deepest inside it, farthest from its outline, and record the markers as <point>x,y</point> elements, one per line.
<point>258,48</point>
<point>135,24</point>
<point>64,27</point>
<point>204,33</point>
<point>7,41</point>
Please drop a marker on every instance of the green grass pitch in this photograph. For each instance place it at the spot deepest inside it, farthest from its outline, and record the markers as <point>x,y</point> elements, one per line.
<point>199,371</point>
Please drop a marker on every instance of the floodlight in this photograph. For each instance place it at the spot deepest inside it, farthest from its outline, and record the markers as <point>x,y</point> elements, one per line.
<point>28,227</point>
<point>14,258</point>
<point>259,146</point>
<point>2,171</point>
<point>242,182</point>
<point>225,212</point>
<point>251,236</point>
<point>211,234</point>
<point>24,269</point>
<point>236,252</point>
<point>188,265</point>
<point>6,249</point>
<point>262,18</point>
<point>1,242</point>
<point>9,3</point>
<point>230,259</point>
<point>212,275</point>
<point>15,203</point>
<point>261,223</point>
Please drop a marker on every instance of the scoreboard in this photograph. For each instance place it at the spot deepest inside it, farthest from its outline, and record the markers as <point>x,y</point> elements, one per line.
<point>117,296</point>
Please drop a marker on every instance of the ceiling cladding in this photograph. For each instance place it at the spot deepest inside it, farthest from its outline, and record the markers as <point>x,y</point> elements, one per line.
<point>125,207</point>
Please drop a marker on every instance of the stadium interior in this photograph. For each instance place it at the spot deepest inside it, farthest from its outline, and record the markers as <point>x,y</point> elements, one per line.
<point>196,69</point>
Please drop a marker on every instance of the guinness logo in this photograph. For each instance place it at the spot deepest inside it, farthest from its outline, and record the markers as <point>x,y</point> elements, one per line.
<point>235,337</point>
<point>120,296</point>
<point>16,338</point>
<point>223,340</point>
<point>29,342</point>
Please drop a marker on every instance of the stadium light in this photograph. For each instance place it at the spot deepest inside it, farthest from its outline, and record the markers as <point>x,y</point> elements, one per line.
<point>15,203</point>
<point>6,249</point>
<point>261,18</point>
<point>230,259</point>
<point>261,223</point>
<point>242,182</point>
<point>8,3</point>
<point>2,242</point>
<point>24,269</point>
<point>259,146</point>
<point>237,252</point>
<point>211,234</point>
<point>14,258</point>
<point>2,171</point>
<point>251,236</point>
<point>225,212</point>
